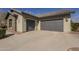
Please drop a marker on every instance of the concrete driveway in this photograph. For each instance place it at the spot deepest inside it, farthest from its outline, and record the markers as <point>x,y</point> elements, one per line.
<point>40,41</point>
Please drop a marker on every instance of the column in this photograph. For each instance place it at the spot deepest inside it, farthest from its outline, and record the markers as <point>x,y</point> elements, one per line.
<point>20,23</point>
<point>67,24</point>
<point>37,25</point>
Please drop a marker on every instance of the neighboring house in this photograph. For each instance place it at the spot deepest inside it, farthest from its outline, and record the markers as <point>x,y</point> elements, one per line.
<point>21,22</point>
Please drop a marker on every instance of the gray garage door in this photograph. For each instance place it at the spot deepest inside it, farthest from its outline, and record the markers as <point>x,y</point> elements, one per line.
<point>56,25</point>
<point>30,25</point>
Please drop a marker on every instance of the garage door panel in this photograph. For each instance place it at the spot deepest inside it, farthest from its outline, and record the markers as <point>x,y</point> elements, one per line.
<point>52,25</point>
<point>30,25</point>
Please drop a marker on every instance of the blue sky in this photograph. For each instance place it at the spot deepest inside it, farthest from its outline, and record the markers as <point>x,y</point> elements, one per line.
<point>75,17</point>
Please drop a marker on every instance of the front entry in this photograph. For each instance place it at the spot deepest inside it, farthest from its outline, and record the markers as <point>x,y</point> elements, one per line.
<point>12,24</point>
<point>30,25</point>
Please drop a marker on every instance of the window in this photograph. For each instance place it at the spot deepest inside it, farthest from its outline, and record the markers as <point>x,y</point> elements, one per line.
<point>10,22</point>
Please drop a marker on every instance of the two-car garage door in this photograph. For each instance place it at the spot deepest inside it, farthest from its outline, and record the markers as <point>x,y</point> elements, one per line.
<point>55,25</point>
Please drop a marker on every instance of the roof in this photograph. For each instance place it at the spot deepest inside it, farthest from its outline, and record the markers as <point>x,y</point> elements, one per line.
<point>22,12</point>
<point>57,13</point>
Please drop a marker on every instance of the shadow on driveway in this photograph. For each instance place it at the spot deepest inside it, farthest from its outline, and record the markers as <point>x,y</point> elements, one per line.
<point>6,36</point>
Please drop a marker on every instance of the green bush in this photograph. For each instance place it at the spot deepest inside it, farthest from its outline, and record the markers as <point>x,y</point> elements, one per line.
<point>74,26</point>
<point>2,33</point>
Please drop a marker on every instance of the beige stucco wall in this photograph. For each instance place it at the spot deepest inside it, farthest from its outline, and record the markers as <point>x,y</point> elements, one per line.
<point>13,23</point>
<point>24,24</point>
<point>37,25</point>
<point>20,23</point>
<point>67,24</point>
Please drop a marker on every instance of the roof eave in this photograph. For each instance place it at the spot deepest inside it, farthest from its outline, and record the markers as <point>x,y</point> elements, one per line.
<point>65,13</point>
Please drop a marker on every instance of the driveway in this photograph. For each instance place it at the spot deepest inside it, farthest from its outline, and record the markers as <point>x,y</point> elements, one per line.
<point>40,41</point>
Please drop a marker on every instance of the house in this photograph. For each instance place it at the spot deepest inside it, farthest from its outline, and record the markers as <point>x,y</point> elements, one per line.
<point>20,21</point>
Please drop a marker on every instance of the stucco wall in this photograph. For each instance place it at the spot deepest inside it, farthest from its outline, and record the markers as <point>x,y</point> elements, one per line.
<point>67,24</point>
<point>20,23</point>
<point>13,23</point>
<point>37,25</point>
<point>24,24</point>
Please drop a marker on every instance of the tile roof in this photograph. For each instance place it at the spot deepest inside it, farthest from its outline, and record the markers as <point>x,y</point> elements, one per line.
<point>62,12</point>
<point>57,13</point>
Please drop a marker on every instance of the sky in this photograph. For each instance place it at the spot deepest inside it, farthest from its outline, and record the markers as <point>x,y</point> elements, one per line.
<point>35,11</point>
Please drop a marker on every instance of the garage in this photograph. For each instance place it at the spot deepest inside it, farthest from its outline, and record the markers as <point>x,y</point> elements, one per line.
<point>30,25</point>
<point>52,25</point>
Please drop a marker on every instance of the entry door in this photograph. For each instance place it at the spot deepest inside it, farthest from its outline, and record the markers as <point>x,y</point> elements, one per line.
<point>30,25</point>
<point>10,24</point>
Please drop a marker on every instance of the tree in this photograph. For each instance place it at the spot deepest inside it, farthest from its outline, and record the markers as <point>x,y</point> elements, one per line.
<point>74,26</point>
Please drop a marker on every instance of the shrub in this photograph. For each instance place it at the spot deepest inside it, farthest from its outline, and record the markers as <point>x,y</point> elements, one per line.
<point>2,31</point>
<point>74,26</point>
